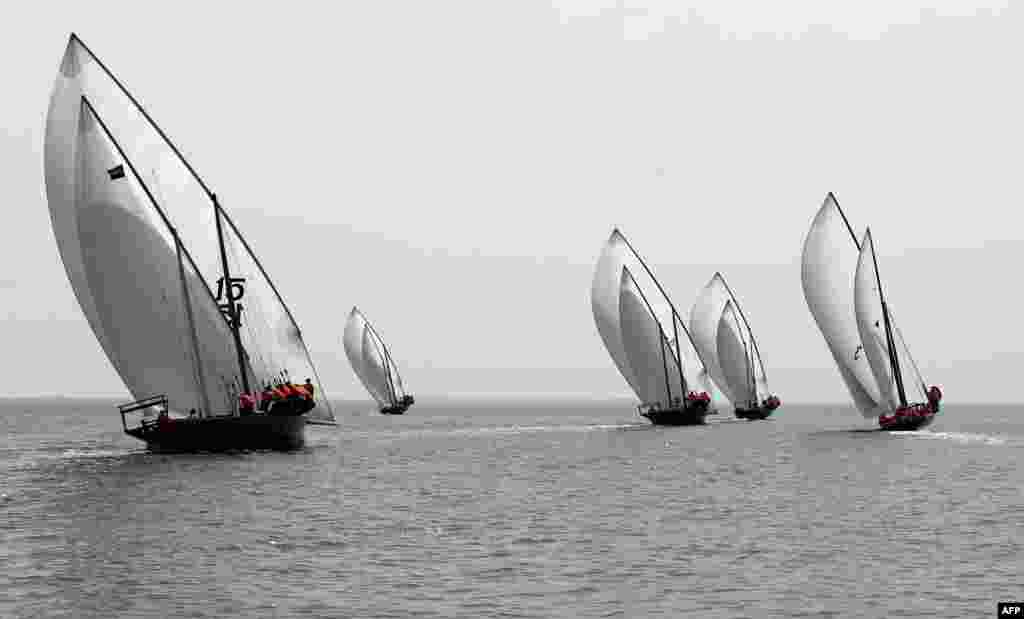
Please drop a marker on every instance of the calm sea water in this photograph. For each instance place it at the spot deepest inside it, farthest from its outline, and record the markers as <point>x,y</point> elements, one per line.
<point>515,509</point>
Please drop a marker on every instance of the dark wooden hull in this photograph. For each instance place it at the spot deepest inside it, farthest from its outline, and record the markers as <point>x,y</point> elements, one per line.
<point>395,410</point>
<point>691,415</point>
<point>400,407</point>
<point>754,414</point>
<point>254,431</point>
<point>904,423</point>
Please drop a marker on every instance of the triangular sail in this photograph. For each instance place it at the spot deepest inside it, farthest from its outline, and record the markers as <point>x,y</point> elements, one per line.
<point>871,325</point>
<point>604,301</point>
<point>274,345</point>
<point>828,266</point>
<point>651,360</point>
<point>734,353</point>
<point>129,267</point>
<point>352,340</point>
<point>371,360</point>
<point>705,315</point>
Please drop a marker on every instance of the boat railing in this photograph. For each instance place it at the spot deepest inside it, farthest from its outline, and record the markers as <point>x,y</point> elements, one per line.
<point>141,407</point>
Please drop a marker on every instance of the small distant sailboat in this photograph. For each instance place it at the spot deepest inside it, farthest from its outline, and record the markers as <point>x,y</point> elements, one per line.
<point>140,235</point>
<point>722,334</point>
<point>662,374</point>
<point>373,364</point>
<point>844,293</point>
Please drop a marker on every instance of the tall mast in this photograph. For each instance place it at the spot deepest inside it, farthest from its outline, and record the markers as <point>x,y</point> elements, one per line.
<point>234,309</point>
<point>894,360</point>
<point>198,366</point>
<point>661,342</point>
<point>675,314</point>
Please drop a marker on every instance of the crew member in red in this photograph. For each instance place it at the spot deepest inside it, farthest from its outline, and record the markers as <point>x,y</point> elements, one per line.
<point>246,403</point>
<point>934,396</point>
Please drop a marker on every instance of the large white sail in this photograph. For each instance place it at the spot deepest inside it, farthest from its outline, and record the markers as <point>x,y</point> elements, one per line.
<point>604,301</point>
<point>705,315</point>
<point>94,181</point>
<point>651,360</point>
<point>827,271</point>
<point>871,325</point>
<point>366,353</point>
<point>352,339</point>
<point>124,267</point>
<point>735,356</point>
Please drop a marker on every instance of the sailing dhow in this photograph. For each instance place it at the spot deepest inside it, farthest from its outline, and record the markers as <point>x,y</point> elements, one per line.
<point>374,366</point>
<point>141,235</point>
<point>662,373</point>
<point>843,289</point>
<point>722,334</point>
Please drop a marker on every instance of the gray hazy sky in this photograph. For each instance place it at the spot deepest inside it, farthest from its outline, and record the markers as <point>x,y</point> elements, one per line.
<point>453,168</point>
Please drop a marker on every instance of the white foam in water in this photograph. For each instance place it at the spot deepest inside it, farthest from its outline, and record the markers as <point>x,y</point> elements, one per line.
<point>516,429</point>
<point>81,454</point>
<point>960,437</point>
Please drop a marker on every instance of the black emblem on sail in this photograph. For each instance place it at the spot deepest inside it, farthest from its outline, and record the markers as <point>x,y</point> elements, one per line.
<point>116,172</point>
<point>856,353</point>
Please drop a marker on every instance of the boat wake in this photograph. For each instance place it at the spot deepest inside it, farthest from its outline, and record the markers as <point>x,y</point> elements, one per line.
<point>959,437</point>
<point>95,454</point>
<point>516,429</point>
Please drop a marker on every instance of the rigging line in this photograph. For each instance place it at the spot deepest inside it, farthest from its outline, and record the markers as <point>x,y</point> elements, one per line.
<point>750,331</point>
<point>149,194</point>
<point>661,342</point>
<point>846,221</point>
